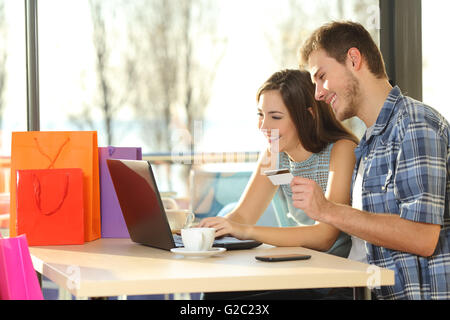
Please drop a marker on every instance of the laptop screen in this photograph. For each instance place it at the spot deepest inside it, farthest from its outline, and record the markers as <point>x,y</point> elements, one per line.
<point>141,203</point>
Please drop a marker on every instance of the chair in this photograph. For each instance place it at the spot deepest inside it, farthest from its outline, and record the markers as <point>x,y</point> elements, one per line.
<point>216,190</point>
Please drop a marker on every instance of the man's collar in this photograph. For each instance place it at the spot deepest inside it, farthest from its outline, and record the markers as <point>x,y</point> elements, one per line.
<point>386,111</point>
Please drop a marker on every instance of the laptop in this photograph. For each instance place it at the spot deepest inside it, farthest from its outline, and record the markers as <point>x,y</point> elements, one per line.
<point>143,210</point>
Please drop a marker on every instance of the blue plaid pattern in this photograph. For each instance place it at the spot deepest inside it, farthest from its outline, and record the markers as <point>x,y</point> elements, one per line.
<point>407,172</point>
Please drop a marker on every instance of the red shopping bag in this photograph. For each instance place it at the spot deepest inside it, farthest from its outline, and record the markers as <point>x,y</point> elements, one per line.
<point>18,280</point>
<point>50,206</point>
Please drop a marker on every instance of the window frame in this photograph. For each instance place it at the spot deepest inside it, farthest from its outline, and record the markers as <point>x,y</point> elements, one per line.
<point>401,34</point>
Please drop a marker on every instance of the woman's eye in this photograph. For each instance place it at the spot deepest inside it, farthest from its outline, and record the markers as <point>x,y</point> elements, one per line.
<point>276,118</point>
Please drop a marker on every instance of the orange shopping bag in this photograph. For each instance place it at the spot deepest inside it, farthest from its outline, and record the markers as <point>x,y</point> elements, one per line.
<point>54,150</point>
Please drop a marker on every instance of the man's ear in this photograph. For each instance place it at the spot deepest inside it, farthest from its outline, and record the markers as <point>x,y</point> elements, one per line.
<point>354,57</point>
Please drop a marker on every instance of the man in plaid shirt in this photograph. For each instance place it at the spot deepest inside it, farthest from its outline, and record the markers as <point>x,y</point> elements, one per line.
<point>402,173</point>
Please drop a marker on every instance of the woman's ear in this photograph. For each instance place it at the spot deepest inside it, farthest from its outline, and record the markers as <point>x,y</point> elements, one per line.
<point>310,109</point>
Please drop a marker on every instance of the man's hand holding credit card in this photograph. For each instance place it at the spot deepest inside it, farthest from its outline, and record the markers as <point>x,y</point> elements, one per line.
<point>279,176</point>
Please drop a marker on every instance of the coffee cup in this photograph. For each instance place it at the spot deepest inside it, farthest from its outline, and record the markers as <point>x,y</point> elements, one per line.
<point>179,219</point>
<point>198,239</point>
<point>169,203</point>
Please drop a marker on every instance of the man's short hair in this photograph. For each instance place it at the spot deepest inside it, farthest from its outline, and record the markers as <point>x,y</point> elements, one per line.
<point>336,38</point>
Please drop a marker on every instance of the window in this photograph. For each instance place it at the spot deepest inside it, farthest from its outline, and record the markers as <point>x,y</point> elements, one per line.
<point>436,66</point>
<point>13,94</point>
<point>173,76</point>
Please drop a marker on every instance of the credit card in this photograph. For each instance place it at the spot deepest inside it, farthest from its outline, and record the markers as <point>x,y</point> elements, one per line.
<point>279,176</point>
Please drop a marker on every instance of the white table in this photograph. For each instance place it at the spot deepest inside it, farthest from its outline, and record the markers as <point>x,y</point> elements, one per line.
<point>114,267</point>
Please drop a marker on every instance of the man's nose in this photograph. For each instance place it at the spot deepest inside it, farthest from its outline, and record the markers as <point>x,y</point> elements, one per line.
<point>319,93</point>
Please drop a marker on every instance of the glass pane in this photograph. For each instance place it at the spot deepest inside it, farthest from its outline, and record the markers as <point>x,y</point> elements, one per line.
<point>173,76</point>
<point>436,65</point>
<point>262,38</point>
<point>13,99</point>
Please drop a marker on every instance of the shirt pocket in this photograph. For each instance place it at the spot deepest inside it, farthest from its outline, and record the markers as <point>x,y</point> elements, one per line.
<point>378,183</point>
<point>378,194</point>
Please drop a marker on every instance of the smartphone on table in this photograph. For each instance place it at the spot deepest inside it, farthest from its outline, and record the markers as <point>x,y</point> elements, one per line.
<point>283,257</point>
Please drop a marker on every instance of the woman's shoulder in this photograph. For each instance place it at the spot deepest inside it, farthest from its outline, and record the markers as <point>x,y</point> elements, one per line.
<point>343,149</point>
<point>342,158</point>
<point>344,145</point>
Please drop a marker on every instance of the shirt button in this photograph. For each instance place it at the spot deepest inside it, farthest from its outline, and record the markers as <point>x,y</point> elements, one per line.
<point>383,188</point>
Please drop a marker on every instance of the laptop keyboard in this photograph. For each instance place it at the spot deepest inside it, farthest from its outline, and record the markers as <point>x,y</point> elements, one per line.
<point>179,242</point>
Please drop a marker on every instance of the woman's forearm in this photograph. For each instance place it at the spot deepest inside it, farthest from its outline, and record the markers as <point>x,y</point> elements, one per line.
<point>317,237</point>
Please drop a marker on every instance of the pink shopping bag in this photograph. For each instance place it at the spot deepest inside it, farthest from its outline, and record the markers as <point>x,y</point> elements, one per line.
<point>18,280</point>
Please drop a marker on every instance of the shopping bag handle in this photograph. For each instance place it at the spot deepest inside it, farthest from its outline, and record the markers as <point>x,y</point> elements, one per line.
<point>52,162</point>
<point>37,194</point>
<point>111,150</point>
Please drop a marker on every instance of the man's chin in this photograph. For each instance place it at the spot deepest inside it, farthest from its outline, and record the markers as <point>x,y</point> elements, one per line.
<point>342,115</point>
<point>338,114</point>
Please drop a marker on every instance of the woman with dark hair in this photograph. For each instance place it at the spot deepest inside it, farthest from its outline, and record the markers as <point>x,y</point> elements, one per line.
<point>305,137</point>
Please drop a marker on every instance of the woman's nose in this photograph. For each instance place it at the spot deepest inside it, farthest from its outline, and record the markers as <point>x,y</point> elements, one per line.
<point>264,126</point>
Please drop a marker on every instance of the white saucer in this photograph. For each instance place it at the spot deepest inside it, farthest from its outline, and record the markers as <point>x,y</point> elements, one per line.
<point>188,253</point>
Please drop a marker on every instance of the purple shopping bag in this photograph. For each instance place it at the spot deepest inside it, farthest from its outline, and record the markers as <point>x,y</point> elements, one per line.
<point>113,223</point>
<point>18,280</point>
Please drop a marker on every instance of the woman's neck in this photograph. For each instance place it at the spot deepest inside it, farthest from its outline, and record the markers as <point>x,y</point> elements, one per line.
<point>298,154</point>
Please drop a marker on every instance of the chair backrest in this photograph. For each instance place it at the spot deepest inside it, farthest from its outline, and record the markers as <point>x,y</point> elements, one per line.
<point>212,190</point>
<point>217,192</point>
<point>281,209</point>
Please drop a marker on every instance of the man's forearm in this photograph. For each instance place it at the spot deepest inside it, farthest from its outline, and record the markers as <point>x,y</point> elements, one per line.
<point>384,230</point>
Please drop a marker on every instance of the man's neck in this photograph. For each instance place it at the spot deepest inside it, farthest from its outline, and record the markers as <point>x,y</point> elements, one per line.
<point>374,94</point>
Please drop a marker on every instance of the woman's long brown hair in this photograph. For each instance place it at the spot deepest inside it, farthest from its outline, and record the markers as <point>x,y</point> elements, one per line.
<point>315,131</point>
